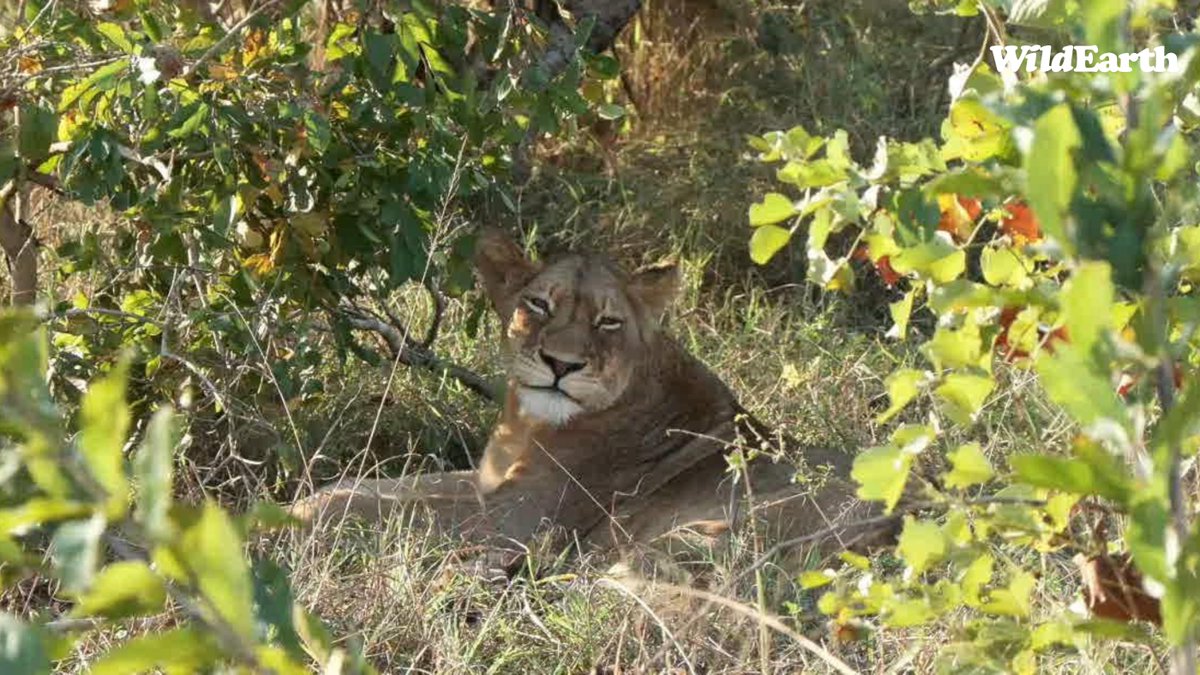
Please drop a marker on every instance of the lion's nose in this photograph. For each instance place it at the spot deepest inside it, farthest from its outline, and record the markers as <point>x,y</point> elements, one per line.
<point>559,367</point>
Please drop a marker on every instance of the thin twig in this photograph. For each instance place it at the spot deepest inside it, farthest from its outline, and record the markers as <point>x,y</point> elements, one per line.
<point>224,41</point>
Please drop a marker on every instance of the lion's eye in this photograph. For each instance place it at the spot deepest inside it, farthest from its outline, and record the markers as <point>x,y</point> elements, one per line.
<point>609,323</point>
<point>538,305</point>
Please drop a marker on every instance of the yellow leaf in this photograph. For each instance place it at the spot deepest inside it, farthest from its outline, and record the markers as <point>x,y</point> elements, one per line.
<point>221,72</point>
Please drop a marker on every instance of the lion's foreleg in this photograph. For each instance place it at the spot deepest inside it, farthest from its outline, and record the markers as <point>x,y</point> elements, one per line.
<point>450,500</point>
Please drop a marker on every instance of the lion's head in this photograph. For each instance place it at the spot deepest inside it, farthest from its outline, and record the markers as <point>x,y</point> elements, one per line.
<point>578,328</point>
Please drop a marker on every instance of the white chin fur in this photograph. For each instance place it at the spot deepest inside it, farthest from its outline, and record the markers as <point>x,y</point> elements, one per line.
<point>549,406</point>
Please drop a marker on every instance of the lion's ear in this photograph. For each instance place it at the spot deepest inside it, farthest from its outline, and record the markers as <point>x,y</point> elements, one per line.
<point>656,287</point>
<point>503,268</point>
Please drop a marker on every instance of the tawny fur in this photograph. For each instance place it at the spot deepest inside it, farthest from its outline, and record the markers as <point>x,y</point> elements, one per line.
<point>633,451</point>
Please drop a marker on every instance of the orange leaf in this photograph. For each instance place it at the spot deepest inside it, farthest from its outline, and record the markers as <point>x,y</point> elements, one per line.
<point>889,275</point>
<point>971,206</point>
<point>1021,224</point>
<point>956,216</point>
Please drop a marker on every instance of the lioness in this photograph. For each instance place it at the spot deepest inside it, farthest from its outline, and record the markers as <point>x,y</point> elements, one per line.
<point>611,431</point>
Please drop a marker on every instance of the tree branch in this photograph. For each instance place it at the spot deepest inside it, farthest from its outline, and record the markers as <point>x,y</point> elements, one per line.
<point>412,353</point>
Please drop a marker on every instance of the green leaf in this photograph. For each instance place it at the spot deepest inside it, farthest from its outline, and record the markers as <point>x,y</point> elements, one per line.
<point>226,213</point>
<point>772,209</point>
<point>1146,536</point>
<point>212,550</point>
<point>1056,473</point>
<point>811,174</point>
<point>1096,472</point>
<point>1070,379</point>
<point>921,544</point>
<point>317,131</point>
<point>1051,633</point>
<point>152,467</point>
<point>264,516</point>
<point>275,605</point>
<point>970,467</point>
<point>901,312</point>
<point>1050,166</point>
<point>1013,600</point>
<point>974,133</point>
<point>1002,266</point>
<point>75,552</point>
<point>179,650</point>
<point>1087,300</point>
<point>962,348</point>
<point>40,511</point>
<point>936,259</point>
<point>39,126</point>
<point>104,418</point>
<point>124,588</point>
<point>103,77</point>
<point>882,472</point>
<point>1102,23</point>
<point>116,35</point>
<point>903,386</point>
<point>766,242</point>
<point>21,648</point>
<point>855,560</point>
<point>902,612</point>
<point>975,577</point>
<point>192,124</point>
<point>963,395</point>
<point>610,111</point>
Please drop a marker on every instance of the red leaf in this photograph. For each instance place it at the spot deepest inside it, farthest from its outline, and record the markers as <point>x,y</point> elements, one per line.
<point>1021,224</point>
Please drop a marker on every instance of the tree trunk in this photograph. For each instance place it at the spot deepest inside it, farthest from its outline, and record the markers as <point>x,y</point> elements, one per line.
<point>20,251</point>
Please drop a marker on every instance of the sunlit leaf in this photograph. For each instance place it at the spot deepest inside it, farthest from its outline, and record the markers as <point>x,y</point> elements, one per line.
<point>1087,300</point>
<point>903,612</point>
<point>974,133</point>
<point>104,418</point>
<point>816,578</point>
<point>212,550</point>
<point>772,209</point>
<point>178,650</point>
<point>970,467</point>
<point>1002,266</point>
<point>152,467</point>
<point>124,588</point>
<point>1050,165</point>
<point>115,34</point>
<point>901,312</point>
<point>766,242</point>
<point>963,394</point>
<point>881,474</point>
<point>903,386</point>
<point>921,544</point>
<point>975,577</point>
<point>1013,600</point>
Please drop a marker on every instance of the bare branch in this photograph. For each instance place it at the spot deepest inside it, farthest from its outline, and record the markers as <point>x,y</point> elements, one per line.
<point>414,354</point>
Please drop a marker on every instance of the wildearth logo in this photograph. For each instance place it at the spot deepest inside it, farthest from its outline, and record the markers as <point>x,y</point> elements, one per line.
<point>1082,59</point>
